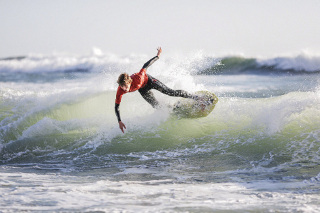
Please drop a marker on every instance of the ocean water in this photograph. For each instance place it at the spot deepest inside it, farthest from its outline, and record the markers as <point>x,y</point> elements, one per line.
<point>61,149</point>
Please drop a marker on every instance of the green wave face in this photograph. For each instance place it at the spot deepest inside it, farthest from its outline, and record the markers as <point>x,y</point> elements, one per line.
<point>240,133</point>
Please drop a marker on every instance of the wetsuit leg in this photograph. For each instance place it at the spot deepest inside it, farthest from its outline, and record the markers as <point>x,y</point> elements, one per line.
<point>148,95</point>
<point>158,85</point>
<point>154,83</point>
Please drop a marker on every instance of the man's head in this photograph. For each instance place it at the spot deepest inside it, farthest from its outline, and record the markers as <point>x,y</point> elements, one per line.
<point>124,81</point>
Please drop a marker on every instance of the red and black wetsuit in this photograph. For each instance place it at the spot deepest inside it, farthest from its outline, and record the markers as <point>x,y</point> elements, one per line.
<point>143,82</point>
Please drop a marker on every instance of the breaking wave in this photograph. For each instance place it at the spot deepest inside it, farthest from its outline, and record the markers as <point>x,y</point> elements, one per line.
<point>198,64</point>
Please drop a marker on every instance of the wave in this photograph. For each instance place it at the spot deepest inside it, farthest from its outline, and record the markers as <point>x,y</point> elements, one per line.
<point>240,133</point>
<point>38,63</point>
<point>198,63</point>
<point>300,64</point>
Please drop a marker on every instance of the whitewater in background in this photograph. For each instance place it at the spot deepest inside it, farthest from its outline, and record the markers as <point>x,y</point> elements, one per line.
<point>61,149</point>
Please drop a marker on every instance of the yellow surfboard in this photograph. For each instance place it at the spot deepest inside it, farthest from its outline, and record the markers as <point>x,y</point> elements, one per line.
<point>188,108</point>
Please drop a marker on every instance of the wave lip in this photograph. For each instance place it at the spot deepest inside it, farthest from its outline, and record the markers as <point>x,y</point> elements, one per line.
<point>201,64</point>
<point>59,63</point>
<point>300,64</point>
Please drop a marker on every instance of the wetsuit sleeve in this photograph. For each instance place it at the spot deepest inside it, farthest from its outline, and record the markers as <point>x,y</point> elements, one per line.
<point>116,108</point>
<point>119,94</point>
<point>150,62</point>
<point>118,100</point>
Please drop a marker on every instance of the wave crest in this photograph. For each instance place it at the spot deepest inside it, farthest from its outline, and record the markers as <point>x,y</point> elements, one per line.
<point>301,64</point>
<point>200,64</point>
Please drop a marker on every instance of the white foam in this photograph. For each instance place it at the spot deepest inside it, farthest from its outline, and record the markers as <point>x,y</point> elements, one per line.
<point>304,61</point>
<point>35,192</point>
<point>172,65</point>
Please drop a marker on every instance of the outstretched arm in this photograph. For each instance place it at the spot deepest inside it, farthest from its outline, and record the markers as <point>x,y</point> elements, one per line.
<point>152,60</point>
<point>116,109</point>
<point>121,125</point>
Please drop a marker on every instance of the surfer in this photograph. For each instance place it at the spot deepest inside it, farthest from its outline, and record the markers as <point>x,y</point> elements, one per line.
<point>144,82</point>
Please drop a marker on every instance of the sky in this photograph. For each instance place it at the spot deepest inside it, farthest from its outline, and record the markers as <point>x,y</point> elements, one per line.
<point>216,27</point>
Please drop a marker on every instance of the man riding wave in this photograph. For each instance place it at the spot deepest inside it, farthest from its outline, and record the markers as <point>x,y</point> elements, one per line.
<point>144,82</point>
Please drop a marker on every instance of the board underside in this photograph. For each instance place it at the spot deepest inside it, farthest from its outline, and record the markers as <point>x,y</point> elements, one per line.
<point>188,108</point>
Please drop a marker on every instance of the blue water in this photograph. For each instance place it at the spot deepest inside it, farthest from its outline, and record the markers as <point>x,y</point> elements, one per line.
<point>61,149</point>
